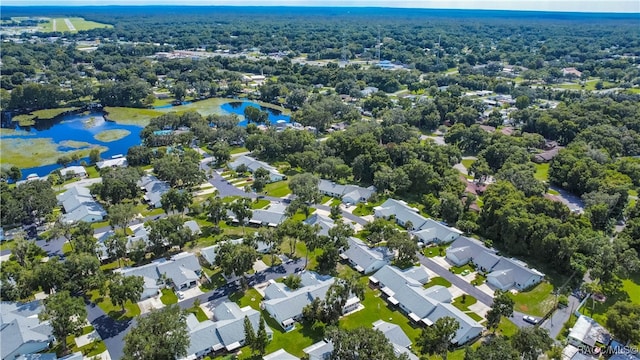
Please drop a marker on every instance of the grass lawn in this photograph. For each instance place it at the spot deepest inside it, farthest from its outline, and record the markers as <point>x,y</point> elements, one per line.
<point>459,269</point>
<point>630,292</point>
<point>131,116</point>
<point>238,150</point>
<point>259,204</point>
<point>542,172</point>
<point>67,248</point>
<point>131,309</point>
<point>463,302</point>
<point>375,308</point>
<point>433,251</point>
<point>101,224</point>
<point>92,172</point>
<point>198,312</point>
<point>467,162</point>
<point>216,279</point>
<point>438,281</point>
<point>479,280</point>
<point>278,189</point>
<point>537,301</point>
<point>363,209</point>
<point>116,264</point>
<point>292,341</point>
<point>168,297</point>
<point>506,327</point>
<point>7,245</point>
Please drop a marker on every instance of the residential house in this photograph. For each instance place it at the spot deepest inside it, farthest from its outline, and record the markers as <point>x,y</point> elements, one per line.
<point>73,171</point>
<point>402,213</point>
<point>511,273</point>
<point>285,305</point>
<point>252,165</point>
<point>193,226</point>
<point>79,205</point>
<point>588,333</point>
<point>319,351</point>
<point>115,162</point>
<point>280,355</point>
<point>272,215</point>
<point>363,258</point>
<point>32,177</point>
<point>435,232</point>
<point>546,156</point>
<point>138,232</point>
<point>405,289</point>
<point>502,273</point>
<point>398,339</point>
<point>21,332</point>
<point>369,90</point>
<point>325,223</point>
<point>182,271</point>
<point>222,334</point>
<point>210,253</point>
<point>571,71</point>
<point>154,189</point>
<point>350,194</point>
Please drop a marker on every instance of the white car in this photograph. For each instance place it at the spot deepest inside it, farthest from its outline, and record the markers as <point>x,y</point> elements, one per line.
<point>530,319</point>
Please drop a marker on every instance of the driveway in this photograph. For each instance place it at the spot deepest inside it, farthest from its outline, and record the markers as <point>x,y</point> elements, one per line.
<point>555,323</point>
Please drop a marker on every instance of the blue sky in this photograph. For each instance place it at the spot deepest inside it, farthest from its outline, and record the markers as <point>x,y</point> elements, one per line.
<point>632,6</point>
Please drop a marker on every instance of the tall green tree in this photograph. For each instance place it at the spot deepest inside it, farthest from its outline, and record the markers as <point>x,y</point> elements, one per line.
<point>436,339</point>
<point>125,288</point>
<point>241,208</point>
<point>249,333</point>
<point>502,306</point>
<point>116,245</point>
<point>121,214</point>
<point>531,342</point>
<point>305,187</point>
<point>160,335</point>
<point>216,211</point>
<point>66,314</point>
<point>262,338</point>
<point>360,343</point>
<point>623,319</point>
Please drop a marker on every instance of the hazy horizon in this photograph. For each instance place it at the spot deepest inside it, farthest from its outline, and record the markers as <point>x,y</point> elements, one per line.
<point>590,6</point>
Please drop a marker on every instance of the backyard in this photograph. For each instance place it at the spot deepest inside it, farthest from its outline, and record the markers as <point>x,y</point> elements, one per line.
<point>536,301</point>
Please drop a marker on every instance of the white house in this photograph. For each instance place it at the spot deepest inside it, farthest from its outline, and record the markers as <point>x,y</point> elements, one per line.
<point>405,289</point>
<point>587,332</point>
<point>252,165</point>
<point>116,161</point>
<point>73,171</point>
<point>351,194</point>
<point>154,189</point>
<point>79,205</point>
<point>401,211</point>
<point>319,351</point>
<point>432,231</point>
<point>182,271</point>
<point>225,332</point>
<point>21,332</point>
<point>396,336</point>
<point>280,355</point>
<point>363,258</point>
<point>285,305</point>
<point>502,273</point>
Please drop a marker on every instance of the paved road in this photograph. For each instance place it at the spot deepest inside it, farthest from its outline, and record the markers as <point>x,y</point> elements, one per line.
<point>112,331</point>
<point>555,323</point>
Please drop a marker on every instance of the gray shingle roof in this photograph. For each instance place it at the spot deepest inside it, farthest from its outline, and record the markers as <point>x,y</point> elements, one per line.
<point>363,256</point>
<point>19,324</point>
<point>467,325</point>
<point>253,165</point>
<point>280,355</point>
<point>209,253</point>
<point>393,332</point>
<point>401,211</point>
<point>274,214</point>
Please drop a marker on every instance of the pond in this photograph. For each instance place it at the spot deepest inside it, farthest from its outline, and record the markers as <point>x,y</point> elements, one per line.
<point>69,133</point>
<point>73,132</point>
<point>237,107</point>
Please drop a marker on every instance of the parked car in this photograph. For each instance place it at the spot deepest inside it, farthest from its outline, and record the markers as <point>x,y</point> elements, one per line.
<point>530,319</point>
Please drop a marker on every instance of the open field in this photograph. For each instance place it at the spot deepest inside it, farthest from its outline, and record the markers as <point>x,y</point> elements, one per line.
<point>26,153</point>
<point>112,135</point>
<point>542,172</point>
<point>44,114</point>
<point>77,24</point>
<point>630,292</point>
<point>536,301</point>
